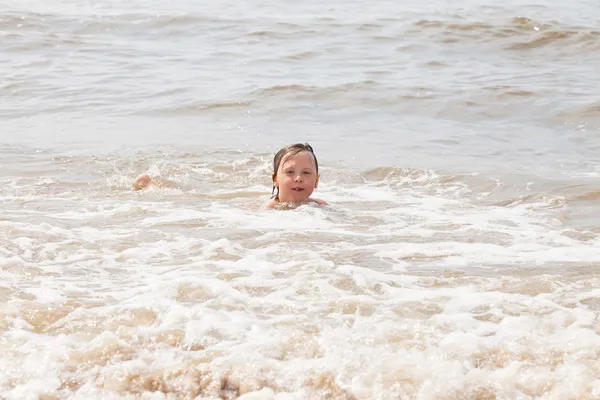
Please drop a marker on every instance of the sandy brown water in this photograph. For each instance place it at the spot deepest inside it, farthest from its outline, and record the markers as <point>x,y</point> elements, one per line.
<point>459,149</point>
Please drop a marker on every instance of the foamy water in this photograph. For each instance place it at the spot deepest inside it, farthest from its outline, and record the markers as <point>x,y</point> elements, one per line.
<point>458,147</point>
<point>412,285</point>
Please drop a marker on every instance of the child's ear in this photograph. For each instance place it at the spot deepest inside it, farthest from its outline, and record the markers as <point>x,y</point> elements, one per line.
<point>274,177</point>
<point>317,181</point>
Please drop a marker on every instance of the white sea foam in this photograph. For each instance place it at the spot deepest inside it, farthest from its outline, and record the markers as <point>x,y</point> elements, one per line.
<point>157,292</point>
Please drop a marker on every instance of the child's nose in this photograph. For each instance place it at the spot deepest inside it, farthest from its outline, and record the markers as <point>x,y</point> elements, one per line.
<point>298,178</point>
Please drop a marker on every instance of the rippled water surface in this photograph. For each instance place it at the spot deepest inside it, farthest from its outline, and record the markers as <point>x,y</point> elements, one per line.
<point>459,149</point>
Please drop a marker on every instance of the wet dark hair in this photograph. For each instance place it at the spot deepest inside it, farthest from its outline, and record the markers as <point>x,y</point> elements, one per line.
<point>289,151</point>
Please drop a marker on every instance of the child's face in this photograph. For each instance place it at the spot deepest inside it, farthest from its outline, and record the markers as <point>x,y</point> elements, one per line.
<point>296,177</point>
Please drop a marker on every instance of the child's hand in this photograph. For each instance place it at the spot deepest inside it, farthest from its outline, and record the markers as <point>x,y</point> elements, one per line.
<point>142,182</point>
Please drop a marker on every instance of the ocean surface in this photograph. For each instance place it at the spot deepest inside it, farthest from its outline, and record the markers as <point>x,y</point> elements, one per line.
<point>459,146</point>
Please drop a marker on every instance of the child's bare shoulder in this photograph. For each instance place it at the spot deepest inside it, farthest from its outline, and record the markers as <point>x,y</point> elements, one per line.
<point>270,204</point>
<point>319,201</point>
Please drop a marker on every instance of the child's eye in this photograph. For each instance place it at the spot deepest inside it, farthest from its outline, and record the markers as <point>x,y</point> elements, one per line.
<point>290,172</point>
<point>307,172</point>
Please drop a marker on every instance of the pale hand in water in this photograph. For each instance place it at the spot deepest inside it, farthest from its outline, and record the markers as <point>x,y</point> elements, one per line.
<point>142,181</point>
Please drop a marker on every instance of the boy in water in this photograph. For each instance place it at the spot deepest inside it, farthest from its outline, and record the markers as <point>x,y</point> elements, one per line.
<point>295,176</point>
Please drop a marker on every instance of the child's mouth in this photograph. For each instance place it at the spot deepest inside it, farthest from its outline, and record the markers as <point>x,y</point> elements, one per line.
<point>297,189</point>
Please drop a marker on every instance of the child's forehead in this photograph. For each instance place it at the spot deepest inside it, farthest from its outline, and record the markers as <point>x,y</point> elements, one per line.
<point>300,157</point>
